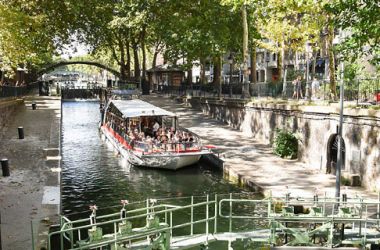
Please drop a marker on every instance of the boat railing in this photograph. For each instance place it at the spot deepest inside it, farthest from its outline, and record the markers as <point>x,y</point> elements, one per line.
<point>148,147</point>
<point>155,147</point>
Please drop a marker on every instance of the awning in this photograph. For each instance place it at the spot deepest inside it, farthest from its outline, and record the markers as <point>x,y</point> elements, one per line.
<point>137,108</point>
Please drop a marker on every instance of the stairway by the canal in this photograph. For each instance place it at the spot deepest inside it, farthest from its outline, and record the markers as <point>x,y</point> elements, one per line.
<point>31,193</point>
<point>249,162</point>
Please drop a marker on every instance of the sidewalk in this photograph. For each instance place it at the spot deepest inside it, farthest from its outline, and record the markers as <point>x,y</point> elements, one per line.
<point>30,193</point>
<point>251,163</point>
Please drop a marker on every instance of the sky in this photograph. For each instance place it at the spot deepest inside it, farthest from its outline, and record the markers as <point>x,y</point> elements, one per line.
<point>74,49</point>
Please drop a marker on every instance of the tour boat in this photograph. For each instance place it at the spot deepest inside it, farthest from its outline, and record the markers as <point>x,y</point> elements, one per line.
<point>149,136</point>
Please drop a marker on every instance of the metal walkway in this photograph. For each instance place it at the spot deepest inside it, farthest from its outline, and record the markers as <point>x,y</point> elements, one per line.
<point>243,223</point>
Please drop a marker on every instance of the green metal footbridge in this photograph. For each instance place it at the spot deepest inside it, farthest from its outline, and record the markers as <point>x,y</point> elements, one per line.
<point>199,222</point>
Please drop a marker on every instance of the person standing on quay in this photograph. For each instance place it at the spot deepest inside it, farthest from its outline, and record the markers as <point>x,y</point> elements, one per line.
<point>315,87</point>
<point>297,88</point>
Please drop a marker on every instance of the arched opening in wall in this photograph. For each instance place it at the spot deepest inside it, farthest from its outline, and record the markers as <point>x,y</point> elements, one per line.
<point>332,154</point>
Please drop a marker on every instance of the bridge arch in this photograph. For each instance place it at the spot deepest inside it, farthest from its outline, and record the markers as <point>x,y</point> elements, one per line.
<point>51,67</point>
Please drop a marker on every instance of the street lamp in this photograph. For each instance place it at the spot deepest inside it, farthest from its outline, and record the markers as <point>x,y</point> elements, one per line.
<point>308,50</point>
<point>340,140</point>
<point>230,61</point>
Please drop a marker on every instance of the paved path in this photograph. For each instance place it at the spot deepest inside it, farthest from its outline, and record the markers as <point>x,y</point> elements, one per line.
<point>30,193</point>
<point>251,162</point>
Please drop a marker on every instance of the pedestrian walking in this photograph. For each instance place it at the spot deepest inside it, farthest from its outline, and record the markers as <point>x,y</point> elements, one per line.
<point>297,93</point>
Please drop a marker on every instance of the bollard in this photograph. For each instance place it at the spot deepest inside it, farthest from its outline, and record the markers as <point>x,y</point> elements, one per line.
<point>20,132</point>
<point>34,105</point>
<point>5,167</point>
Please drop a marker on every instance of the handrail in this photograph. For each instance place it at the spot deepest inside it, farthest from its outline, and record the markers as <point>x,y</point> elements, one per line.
<point>353,211</point>
<point>168,208</point>
<point>148,148</point>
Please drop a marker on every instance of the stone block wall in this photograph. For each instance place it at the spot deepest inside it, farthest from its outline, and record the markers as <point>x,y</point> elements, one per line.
<point>7,107</point>
<point>316,127</point>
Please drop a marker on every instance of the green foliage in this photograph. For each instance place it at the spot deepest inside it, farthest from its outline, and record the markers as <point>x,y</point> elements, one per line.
<point>285,144</point>
<point>31,32</point>
<point>345,181</point>
<point>362,20</point>
<point>292,74</point>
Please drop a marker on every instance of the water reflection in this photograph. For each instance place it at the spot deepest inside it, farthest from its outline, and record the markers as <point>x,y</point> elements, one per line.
<point>94,174</point>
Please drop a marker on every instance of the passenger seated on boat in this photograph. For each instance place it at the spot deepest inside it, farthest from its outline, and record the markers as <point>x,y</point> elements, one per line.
<point>178,136</point>
<point>149,143</point>
<point>171,132</point>
<point>141,136</point>
<point>156,144</point>
<point>136,133</point>
<point>164,138</point>
<point>158,134</point>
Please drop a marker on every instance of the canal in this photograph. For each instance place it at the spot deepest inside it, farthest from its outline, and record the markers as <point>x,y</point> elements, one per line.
<point>92,173</point>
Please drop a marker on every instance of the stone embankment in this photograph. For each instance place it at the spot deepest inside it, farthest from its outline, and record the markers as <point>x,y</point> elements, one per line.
<point>249,161</point>
<point>316,127</point>
<point>32,192</point>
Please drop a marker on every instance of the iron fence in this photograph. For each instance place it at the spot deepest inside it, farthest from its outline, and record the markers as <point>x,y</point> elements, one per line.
<point>234,90</point>
<point>17,91</point>
<point>359,90</point>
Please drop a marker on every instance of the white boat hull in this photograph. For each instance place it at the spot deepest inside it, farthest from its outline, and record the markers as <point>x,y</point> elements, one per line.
<point>164,160</point>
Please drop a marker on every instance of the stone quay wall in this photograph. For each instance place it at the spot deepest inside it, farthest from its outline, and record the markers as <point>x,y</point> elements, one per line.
<point>316,127</point>
<point>7,107</point>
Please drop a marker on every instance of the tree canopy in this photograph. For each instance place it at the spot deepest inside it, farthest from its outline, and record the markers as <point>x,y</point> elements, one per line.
<point>129,33</point>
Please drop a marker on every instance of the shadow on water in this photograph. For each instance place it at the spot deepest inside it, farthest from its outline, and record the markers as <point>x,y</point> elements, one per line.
<point>94,174</point>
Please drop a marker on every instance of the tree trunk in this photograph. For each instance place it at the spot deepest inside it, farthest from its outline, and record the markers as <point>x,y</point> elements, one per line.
<point>314,64</point>
<point>136,62</point>
<point>154,60</point>
<point>143,54</point>
<point>128,64</point>
<point>217,71</point>
<point>2,77</point>
<point>202,71</point>
<point>190,76</point>
<point>189,72</point>
<point>281,61</point>
<point>253,65</point>
<point>245,53</point>
<point>122,61</point>
<point>330,38</point>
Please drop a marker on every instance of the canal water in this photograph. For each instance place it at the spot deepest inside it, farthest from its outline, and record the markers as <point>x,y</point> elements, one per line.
<point>92,173</point>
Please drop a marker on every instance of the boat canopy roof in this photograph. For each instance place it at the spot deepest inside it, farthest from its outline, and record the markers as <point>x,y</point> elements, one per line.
<point>137,108</point>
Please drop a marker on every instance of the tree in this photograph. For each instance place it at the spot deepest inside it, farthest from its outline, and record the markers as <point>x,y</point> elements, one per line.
<point>289,25</point>
<point>28,37</point>
<point>197,35</point>
<point>361,21</point>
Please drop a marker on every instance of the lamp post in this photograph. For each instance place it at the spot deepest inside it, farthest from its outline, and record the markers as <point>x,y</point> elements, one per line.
<point>339,156</point>
<point>230,61</point>
<point>308,87</point>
